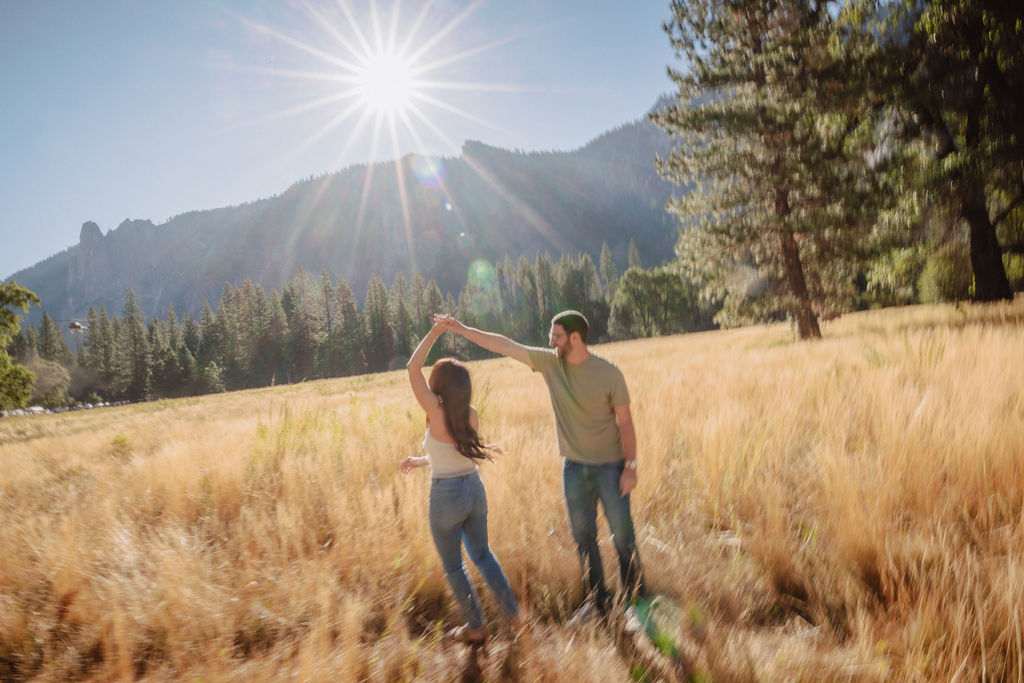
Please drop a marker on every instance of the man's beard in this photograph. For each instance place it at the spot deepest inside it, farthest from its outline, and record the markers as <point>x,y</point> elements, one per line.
<point>562,351</point>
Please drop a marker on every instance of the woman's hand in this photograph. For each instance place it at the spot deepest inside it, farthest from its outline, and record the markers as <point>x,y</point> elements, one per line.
<point>448,322</point>
<point>411,463</point>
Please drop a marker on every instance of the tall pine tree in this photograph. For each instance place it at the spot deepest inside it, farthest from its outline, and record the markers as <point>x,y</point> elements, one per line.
<point>770,122</point>
<point>133,356</point>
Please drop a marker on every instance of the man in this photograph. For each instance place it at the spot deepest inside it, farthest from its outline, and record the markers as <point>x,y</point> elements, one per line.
<point>596,439</point>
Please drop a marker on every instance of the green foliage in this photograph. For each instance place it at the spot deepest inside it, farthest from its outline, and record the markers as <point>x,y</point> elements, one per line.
<point>15,380</point>
<point>946,275</point>
<point>13,296</point>
<point>315,328</point>
<point>15,383</point>
<point>211,380</point>
<point>956,78</point>
<point>52,381</point>
<point>1014,264</point>
<point>892,278</point>
<point>652,302</point>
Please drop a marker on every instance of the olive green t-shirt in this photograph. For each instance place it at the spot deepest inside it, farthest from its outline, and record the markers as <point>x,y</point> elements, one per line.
<point>582,397</point>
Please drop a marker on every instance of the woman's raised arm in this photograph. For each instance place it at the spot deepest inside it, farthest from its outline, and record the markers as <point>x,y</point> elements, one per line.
<point>427,399</point>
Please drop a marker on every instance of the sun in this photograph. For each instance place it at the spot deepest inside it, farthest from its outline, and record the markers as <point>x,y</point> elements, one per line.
<point>386,83</point>
<point>386,77</point>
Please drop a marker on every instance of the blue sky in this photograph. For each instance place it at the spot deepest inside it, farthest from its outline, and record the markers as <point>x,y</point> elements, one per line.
<point>116,109</point>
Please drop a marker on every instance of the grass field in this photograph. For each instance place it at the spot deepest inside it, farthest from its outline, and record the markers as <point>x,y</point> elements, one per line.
<point>850,509</point>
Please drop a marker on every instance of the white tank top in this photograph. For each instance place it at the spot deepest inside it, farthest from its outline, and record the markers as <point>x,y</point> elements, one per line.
<point>445,460</point>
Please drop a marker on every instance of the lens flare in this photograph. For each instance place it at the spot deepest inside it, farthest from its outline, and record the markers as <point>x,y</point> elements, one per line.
<point>481,274</point>
<point>429,171</point>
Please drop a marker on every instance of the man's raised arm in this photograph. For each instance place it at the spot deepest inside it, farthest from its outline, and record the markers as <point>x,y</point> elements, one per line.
<point>498,343</point>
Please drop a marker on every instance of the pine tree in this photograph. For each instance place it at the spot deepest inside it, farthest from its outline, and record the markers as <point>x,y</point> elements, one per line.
<point>258,339</point>
<point>133,359</point>
<point>211,342</point>
<point>101,350</point>
<point>548,299</point>
<point>164,360</point>
<point>401,316</point>
<point>634,256</point>
<point>302,302</point>
<point>434,300</point>
<point>421,315</point>
<point>278,335</point>
<point>609,273</point>
<point>173,328</point>
<point>771,127</point>
<point>533,327</point>
<point>51,345</point>
<point>31,343</point>
<point>347,341</point>
<point>186,380</point>
<point>230,316</point>
<point>191,334</point>
<point>380,337</point>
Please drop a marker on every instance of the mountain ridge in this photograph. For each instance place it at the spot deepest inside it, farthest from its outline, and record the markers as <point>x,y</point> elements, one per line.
<point>483,204</point>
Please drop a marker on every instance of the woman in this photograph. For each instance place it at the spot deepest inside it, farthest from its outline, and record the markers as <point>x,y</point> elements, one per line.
<point>458,503</point>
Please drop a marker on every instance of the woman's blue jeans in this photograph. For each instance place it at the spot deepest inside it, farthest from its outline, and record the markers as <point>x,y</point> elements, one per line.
<point>458,514</point>
<point>584,486</point>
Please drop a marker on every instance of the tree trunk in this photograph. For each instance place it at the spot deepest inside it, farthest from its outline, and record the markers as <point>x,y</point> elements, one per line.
<point>990,282</point>
<point>806,319</point>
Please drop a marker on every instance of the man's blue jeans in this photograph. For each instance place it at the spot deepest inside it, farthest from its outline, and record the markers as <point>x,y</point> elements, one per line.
<point>584,486</point>
<point>458,513</point>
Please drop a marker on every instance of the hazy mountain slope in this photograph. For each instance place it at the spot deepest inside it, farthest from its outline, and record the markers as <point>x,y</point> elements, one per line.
<point>492,202</point>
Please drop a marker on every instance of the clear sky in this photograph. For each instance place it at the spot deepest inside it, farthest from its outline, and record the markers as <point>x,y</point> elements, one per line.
<point>116,109</point>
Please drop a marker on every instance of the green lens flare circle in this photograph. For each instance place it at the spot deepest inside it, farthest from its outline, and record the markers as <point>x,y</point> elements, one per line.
<point>481,274</point>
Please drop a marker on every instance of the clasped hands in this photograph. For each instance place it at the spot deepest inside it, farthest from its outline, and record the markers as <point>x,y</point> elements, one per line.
<point>447,322</point>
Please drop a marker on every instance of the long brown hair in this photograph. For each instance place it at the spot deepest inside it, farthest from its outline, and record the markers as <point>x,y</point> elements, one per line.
<point>449,379</point>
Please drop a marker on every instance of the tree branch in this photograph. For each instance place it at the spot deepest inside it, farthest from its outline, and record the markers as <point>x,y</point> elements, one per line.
<point>1002,215</point>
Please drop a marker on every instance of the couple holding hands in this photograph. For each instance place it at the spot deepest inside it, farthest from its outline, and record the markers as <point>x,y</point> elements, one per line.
<point>596,440</point>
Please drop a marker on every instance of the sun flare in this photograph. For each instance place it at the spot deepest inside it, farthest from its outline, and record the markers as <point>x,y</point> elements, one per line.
<point>386,83</point>
<point>385,77</point>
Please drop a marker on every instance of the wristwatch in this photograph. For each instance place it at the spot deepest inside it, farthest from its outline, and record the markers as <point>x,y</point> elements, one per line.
<point>630,464</point>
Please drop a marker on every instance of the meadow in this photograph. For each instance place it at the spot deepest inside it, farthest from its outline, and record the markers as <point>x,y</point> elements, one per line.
<point>849,509</point>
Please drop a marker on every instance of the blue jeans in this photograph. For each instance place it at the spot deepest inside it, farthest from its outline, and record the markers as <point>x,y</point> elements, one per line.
<point>584,486</point>
<point>458,514</point>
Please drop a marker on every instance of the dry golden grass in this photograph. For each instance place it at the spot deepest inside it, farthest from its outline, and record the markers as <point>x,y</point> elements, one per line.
<point>847,509</point>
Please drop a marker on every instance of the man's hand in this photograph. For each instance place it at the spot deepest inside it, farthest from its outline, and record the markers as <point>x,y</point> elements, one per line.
<point>627,482</point>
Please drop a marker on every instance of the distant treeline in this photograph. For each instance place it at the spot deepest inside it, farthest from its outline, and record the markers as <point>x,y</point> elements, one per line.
<point>314,328</point>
